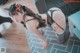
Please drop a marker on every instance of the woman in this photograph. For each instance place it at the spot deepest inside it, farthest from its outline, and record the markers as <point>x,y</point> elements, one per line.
<point>57,20</point>
<point>34,21</point>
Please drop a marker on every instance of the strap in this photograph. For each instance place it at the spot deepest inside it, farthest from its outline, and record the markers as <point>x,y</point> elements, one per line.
<point>53,19</point>
<point>24,24</point>
<point>49,19</point>
<point>29,20</point>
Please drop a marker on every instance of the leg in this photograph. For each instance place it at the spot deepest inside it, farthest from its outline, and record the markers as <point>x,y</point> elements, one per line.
<point>2,20</point>
<point>32,26</point>
<point>5,19</point>
<point>4,27</point>
<point>59,18</point>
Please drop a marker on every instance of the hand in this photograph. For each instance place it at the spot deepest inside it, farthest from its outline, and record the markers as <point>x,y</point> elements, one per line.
<point>45,44</point>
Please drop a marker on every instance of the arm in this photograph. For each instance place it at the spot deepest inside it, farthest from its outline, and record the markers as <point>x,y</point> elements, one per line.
<point>32,26</point>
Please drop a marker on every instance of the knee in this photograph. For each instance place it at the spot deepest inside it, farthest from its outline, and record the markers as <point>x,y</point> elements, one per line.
<point>4,26</point>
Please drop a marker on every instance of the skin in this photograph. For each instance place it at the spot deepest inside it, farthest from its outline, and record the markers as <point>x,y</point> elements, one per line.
<point>59,18</point>
<point>17,18</point>
<point>32,25</point>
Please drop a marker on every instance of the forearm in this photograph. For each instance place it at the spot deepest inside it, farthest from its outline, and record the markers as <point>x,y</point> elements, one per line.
<point>37,32</point>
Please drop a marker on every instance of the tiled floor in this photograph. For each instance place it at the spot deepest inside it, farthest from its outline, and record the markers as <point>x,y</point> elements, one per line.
<point>70,46</point>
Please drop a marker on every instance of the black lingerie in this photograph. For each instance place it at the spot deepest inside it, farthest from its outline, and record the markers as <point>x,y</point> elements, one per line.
<point>29,20</point>
<point>26,21</point>
<point>50,21</point>
<point>39,26</point>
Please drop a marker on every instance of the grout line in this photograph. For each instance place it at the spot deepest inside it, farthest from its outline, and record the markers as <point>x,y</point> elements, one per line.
<point>72,45</point>
<point>58,44</point>
<point>78,49</point>
<point>60,50</point>
<point>51,50</point>
<point>77,40</point>
<point>56,51</point>
<point>67,43</point>
<point>55,48</point>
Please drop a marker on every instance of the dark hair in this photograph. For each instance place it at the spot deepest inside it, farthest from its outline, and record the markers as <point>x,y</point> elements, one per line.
<point>13,10</point>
